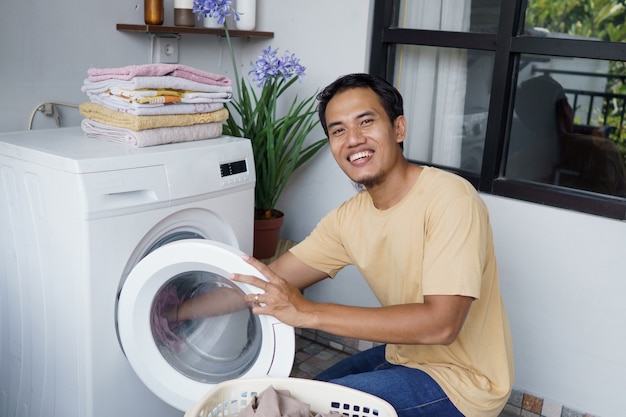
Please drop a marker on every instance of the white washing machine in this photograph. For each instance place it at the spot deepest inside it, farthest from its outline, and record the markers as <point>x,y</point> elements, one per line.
<point>96,239</point>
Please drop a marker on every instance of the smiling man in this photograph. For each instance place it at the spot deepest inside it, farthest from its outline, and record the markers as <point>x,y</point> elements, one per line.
<point>422,240</point>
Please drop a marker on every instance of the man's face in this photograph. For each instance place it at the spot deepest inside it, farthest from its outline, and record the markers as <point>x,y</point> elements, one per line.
<point>362,139</point>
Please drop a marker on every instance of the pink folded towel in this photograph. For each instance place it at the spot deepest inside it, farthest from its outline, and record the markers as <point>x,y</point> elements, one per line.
<point>156,70</point>
<point>151,137</point>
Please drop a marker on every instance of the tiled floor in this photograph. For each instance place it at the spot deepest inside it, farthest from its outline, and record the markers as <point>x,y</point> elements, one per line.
<point>312,358</point>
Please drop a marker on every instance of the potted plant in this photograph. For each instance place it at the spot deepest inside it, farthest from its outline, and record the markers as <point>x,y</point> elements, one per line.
<point>278,140</point>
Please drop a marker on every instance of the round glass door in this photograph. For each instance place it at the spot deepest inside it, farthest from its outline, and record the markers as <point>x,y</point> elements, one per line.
<point>184,326</point>
<point>215,337</point>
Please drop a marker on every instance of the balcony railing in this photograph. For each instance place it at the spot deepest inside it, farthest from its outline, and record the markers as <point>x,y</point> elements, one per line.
<point>602,110</point>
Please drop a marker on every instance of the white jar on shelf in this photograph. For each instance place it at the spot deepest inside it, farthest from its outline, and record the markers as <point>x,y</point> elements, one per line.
<point>247,11</point>
<point>211,22</point>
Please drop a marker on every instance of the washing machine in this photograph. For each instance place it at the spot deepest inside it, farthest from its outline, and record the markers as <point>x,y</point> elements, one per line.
<point>99,242</point>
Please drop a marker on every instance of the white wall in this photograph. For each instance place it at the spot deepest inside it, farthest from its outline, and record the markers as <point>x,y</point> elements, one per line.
<point>563,280</point>
<point>563,274</point>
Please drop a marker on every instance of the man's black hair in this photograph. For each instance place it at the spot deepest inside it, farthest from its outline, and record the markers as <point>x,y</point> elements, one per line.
<point>390,98</point>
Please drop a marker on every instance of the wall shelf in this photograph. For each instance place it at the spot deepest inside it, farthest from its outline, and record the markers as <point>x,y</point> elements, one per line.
<point>124,27</point>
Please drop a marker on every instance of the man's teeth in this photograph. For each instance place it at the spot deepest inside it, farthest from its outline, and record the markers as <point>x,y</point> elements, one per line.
<point>359,156</point>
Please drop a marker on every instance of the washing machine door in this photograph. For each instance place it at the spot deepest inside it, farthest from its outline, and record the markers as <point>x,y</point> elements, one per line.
<point>219,338</point>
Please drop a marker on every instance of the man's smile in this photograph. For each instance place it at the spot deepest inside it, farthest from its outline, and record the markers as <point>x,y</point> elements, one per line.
<point>360,155</point>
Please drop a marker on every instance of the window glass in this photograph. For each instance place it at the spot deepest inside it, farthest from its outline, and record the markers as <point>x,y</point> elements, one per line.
<point>446,95</point>
<point>577,19</point>
<point>567,127</point>
<point>450,15</point>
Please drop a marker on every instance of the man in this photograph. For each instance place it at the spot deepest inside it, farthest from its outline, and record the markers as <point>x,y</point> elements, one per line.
<point>422,240</point>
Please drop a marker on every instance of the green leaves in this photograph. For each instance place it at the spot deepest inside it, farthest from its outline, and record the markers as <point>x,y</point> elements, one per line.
<point>602,19</point>
<point>278,142</point>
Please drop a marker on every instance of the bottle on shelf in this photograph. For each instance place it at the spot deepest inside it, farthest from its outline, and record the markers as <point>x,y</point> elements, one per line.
<point>153,12</point>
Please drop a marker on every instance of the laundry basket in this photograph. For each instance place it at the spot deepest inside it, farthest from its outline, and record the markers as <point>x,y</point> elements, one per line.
<point>228,398</point>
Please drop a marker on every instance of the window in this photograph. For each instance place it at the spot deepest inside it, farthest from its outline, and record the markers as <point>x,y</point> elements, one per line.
<point>524,99</point>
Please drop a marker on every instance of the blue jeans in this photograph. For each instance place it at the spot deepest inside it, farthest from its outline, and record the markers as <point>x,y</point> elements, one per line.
<point>411,392</point>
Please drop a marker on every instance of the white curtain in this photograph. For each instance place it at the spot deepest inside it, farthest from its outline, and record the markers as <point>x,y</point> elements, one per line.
<point>433,82</point>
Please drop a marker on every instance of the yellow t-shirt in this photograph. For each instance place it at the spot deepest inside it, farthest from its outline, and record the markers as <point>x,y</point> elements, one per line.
<point>436,241</point>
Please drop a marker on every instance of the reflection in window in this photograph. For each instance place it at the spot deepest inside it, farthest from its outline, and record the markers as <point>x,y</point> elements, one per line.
<point>447,92</point>
<point>567,126</point>
<point>446,99</point>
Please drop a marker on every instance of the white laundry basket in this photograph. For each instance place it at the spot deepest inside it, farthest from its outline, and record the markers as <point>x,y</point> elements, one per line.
<point>228,398</point>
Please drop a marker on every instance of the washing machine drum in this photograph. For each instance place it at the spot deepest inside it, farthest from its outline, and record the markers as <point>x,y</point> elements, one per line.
<point>218,337</point>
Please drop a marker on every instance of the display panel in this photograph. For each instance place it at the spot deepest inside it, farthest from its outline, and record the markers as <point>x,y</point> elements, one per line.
<point>232,168</point>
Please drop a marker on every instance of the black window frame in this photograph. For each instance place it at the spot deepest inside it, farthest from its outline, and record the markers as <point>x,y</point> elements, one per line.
<point>507,44</point>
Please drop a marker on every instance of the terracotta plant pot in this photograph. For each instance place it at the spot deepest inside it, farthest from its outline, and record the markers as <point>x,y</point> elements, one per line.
<point>266,234</point>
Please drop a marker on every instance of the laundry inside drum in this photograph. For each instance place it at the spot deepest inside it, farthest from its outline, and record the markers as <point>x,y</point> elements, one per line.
<point>203,327</point>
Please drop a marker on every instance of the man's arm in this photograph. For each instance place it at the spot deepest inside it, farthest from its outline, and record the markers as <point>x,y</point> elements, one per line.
<point>436,321</point>
<point>221,301</point>
<point>216,302</point>
<point>296,272</point>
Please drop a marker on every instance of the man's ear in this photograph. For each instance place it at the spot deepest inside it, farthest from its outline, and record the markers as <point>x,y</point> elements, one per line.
<point>400,128</point>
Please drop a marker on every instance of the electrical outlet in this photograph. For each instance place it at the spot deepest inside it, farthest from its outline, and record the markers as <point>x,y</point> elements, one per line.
<point>165,49</point>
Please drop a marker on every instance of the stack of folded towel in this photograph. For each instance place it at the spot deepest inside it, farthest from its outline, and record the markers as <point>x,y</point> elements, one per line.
<point>154,104</point>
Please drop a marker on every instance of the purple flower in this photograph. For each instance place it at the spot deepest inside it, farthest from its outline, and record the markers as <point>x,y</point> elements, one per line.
<point>218,9</point>
<point>269,66</point>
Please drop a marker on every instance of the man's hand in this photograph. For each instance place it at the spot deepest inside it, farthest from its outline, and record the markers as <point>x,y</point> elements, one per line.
<point>278,297</point>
